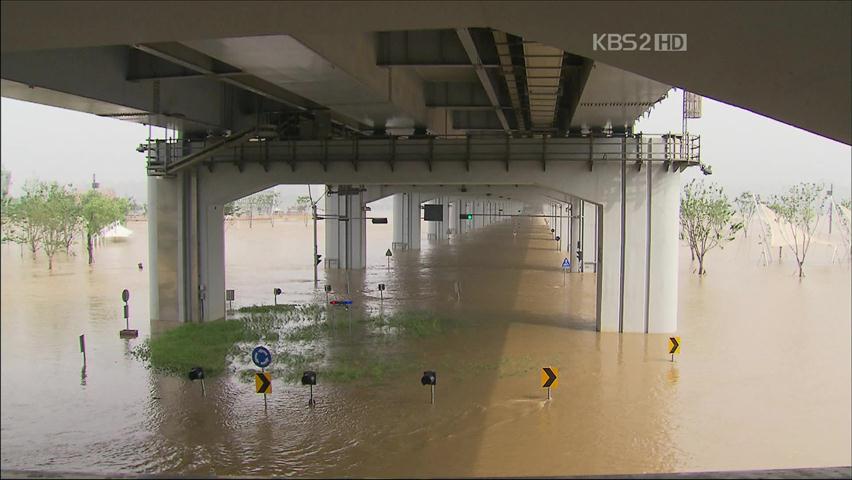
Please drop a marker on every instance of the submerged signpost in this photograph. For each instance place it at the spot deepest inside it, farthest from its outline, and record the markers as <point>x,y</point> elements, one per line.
<point>310,378</point>
<point>197,373</point>
<point>389,254</point>
<point>549,379</point>
<point>262,380</point>
<point>566,264</point>
<point>229,296</point>
<point>674,346</point>
<point>430,378</point>
<point>127,332</point>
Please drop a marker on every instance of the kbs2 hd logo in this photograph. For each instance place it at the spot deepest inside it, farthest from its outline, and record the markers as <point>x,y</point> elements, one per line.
<point>639,42</point>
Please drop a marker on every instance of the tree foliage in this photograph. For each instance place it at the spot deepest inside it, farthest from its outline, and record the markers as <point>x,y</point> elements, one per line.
<point>98,212</point>
<point>20,214</point>
<point>58,218</point>
<point>49,216</point>
<point>746,207</point>
<point>799,209</point>
<point>705,216</point>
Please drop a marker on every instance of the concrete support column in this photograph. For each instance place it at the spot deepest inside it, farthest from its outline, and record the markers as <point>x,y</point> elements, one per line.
<point>455,217</point>
<point>174,252</point>
<point>576,239</point>
<point>406,220</point>
<point>447,221</point>
<point>638,253</point>
<point>345,230</point>
<point>589,235</point>
<point>212,262</point>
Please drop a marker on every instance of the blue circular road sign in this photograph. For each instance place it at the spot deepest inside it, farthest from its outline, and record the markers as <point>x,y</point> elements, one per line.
<point>261,357</point>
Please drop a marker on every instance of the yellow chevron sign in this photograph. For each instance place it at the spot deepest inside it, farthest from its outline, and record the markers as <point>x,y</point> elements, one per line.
<point>674,345</point>
<point>549,377</point>
<point>263,382</point>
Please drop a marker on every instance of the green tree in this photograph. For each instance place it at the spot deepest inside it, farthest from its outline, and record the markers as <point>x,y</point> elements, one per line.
<point>746,207</point>
<point>98,212</point>
<point>705,216</point>
<point>56,215</point>
<point>20,226</point>
<point>799,208</point>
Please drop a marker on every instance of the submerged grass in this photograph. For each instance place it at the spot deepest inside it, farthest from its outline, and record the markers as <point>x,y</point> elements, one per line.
<point>295,334</point>
<point>267,308</point>
<point>191,345</point>
<point>413,323</point>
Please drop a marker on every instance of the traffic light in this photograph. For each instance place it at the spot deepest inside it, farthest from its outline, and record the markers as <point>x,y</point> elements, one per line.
<point>319,259</point>
<point>466,216</point>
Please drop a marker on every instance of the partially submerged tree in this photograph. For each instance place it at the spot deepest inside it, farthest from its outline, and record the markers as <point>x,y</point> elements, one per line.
<point>20,226</point>
<point>58,213</point>
<point>746,207</point>
<point>705,215</point>
<point>98,212</point>
<point>799,210</point>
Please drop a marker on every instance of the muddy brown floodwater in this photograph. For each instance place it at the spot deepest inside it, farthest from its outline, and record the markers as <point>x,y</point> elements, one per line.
<point>763,380</point>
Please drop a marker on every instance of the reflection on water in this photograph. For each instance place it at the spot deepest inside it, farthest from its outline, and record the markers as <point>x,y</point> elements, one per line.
<point>763,379</point>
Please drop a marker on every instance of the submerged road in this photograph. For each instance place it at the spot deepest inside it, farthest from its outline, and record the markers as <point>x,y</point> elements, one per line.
<point>759,384</point>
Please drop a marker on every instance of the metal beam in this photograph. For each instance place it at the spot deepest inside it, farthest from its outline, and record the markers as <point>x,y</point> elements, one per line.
<point>473,54</point>
<point>191,76</point>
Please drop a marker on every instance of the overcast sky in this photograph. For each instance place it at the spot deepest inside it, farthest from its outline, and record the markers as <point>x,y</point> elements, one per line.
<point>746,151</point>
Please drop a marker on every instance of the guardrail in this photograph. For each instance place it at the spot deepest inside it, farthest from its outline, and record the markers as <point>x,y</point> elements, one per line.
<point>168,157</point>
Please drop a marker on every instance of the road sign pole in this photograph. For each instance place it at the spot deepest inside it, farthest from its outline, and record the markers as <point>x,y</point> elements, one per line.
<point>83,348</point>
<point>314,212</point>
<point>203,391</point>
<point>548,393</point>
<point>433,394</point>
<point>262,370</point>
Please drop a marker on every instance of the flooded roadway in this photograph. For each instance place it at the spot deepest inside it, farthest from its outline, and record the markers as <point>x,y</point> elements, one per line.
<point>763,381</point>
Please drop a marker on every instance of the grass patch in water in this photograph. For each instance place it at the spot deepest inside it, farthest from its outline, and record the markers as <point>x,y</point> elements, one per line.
<point>191,345</point>
<point>373,368</point>
<point>414,323</point>
<point>267,308</point>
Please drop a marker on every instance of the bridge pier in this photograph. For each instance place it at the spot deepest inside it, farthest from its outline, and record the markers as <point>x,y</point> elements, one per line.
<point>346,228</point>
<point>186,251</point>
<point>575,242</point>
<point>406,220</point>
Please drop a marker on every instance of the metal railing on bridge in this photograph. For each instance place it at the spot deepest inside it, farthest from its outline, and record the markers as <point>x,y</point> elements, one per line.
<point>167,157</point>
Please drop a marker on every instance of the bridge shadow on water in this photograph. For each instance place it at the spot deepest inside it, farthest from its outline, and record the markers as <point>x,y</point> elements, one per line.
<point>504,299</point>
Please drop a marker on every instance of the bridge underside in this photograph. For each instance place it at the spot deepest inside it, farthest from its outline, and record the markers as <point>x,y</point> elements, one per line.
<point>457,104</point>
<point>627,208</point>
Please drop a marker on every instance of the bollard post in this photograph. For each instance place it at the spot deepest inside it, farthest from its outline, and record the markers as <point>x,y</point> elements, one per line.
<point>83,348</point>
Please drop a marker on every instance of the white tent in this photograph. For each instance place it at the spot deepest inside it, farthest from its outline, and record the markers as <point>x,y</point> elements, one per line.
<point>117,232</point>
<point>778,233</point>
